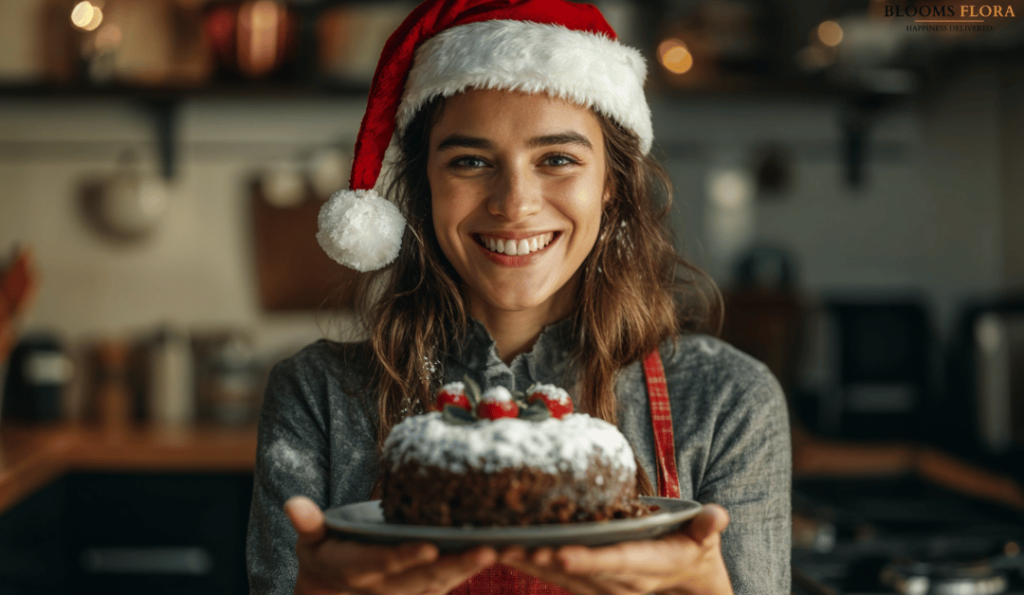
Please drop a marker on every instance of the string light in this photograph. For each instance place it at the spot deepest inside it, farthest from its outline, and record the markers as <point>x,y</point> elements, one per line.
<point>674,56</point>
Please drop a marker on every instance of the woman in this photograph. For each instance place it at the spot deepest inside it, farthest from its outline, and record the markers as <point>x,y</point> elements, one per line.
<point>535,252</point>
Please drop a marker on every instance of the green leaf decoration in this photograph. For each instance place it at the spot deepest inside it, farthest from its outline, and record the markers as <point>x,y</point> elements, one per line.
<point>472,391</point>
<point>536,411</point>
<point>457,416</point>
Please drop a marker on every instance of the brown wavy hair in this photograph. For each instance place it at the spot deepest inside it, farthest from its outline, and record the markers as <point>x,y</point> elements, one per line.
<point>635,291</point>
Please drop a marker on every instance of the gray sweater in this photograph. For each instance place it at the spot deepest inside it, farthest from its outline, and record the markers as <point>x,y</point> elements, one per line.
<point>317,438</point>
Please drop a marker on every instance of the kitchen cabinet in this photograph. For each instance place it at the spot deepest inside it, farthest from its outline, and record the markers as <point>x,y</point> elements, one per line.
<point>32,544</point>
<point>113,532</point>
<point>132,510</point>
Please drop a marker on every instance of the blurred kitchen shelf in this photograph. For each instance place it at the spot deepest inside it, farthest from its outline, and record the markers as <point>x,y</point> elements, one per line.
<point>175,93</point>
<point>33,456</point>
<point>162,102</point>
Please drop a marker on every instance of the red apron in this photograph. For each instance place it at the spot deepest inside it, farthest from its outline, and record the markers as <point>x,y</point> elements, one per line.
<point>502,580</point>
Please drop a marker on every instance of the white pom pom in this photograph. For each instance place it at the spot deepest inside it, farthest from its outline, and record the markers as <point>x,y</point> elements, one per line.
<point>360,229</point>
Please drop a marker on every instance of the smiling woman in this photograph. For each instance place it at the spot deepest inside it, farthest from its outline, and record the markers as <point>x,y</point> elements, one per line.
<point>517,236</point>
<point>507,169</point>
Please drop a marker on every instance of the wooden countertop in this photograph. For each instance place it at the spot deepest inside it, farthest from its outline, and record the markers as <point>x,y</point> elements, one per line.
<point>817,457</point>
<point>32,456</point>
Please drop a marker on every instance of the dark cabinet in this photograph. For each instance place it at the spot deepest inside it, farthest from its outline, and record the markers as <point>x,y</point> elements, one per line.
<point>32,543</point>
<point>116,533</point>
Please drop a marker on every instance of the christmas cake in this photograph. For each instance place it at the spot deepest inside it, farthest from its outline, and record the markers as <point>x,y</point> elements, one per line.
<point>498,459</point>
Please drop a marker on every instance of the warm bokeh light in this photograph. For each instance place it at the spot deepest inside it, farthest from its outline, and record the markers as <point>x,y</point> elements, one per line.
<point>258,50</point>
<point>667,45</point>
<point>674,56</point>
<point>830,33</point>
<point>82,14</point>
<point>97,18</point>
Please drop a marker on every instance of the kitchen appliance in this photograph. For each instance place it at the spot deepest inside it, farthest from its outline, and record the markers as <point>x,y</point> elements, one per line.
<point>902,535</point>
<point>228,377</point>
<point>170,392</point>
<point>984,400</point>
<point>868,370</point>
<point>37,374</point>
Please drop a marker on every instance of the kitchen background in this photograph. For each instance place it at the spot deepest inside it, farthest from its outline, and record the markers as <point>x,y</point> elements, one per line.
<point>854,185</point>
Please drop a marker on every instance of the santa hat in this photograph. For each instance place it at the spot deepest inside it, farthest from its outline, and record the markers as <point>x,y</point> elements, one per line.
<point>444,47</point>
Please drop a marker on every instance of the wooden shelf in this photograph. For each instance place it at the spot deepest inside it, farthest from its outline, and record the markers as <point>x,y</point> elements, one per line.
<point>33,456</point>
<point>176,93</point>
<point>162,102</point>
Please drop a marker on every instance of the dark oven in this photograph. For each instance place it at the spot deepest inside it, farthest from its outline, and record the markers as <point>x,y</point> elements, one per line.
<point>903,535</point>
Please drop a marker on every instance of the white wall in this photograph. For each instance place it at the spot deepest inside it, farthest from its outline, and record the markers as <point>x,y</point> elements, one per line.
<point>196,270</point>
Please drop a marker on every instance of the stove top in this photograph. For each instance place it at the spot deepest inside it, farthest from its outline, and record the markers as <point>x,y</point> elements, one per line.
<point>902,535</point>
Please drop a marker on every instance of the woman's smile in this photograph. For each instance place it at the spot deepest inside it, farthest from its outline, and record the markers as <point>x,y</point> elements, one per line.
<point>515,249</point>
<point>517,187</point>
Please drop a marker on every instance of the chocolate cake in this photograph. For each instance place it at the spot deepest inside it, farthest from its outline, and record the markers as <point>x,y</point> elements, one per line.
<point>451,469</point>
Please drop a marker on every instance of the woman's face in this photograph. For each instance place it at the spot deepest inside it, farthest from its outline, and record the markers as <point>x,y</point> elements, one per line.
<point>517,184</point>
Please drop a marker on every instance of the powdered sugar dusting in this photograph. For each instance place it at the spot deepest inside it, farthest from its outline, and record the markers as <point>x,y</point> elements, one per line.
<point>454,388</point>
<point>551,445</point>
<point>496,394</point>
<point>281,453</point>
<point>553,392</point>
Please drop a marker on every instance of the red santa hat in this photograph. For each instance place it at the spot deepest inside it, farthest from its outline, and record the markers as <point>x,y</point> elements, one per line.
<point>445,47</point>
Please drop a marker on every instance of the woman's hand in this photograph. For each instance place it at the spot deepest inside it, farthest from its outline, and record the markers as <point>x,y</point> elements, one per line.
<point>689,562</point>
<point>333,566</point>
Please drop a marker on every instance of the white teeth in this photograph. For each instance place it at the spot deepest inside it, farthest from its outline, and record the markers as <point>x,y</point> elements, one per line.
<point>517,248</point>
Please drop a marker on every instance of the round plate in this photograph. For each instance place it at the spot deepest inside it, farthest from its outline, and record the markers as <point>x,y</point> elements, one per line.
<point>364,521</point>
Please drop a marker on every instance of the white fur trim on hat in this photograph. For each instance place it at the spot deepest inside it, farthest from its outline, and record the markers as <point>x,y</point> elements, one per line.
<point>590,70</point>
<point>360,229</point>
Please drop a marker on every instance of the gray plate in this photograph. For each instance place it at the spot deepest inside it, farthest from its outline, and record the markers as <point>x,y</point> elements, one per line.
<point>364,521</point>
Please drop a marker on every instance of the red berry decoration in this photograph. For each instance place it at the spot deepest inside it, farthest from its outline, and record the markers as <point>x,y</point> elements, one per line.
<point>556,399</point>
<point>453,394</point>
<point>497,403</point>
<point>497,409</point>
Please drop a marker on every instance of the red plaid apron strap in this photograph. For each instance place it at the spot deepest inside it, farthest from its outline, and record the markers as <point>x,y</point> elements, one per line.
<point>502,580</point>
<point>661,421</point>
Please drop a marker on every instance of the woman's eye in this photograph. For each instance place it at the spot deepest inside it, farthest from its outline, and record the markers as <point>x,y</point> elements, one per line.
<point>468,162</point>
<point>559,160</point>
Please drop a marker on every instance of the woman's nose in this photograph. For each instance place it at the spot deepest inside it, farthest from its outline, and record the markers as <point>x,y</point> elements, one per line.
<point>516,196</point>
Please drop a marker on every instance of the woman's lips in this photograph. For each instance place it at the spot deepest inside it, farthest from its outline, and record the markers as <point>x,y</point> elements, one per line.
<point>537,244</point>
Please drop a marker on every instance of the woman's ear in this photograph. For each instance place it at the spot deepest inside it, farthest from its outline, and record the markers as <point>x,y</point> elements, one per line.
<point>609,191</point>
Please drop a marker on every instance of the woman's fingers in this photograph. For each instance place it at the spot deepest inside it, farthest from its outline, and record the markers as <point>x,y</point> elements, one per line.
<point>689,557</point>
<point>594,584</point>
<point>653,557</point>
<point>712,519</point>
<point>442,576</point>
<point>366,563</point>
<point>307,519</point>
